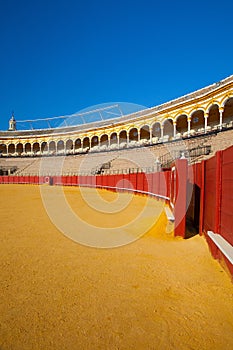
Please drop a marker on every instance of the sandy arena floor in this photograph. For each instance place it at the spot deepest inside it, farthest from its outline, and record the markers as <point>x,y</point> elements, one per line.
<point>155,293</point>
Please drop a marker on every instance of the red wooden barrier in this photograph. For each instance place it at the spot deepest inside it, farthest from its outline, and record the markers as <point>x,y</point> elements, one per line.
<point>10,179</point>
<point>111,181</point>
<point>149,178</point>
<point>74,180</point>
<point>168,183</point>
<point>5,179</point>
<point>119,181</point>
<point>68,180</point>
<point>104,180</point>
<point>162,183</point>
<point>99,180</point>
<point>181,174</point>
<point>31,180</point>
<point>202,197</point>
<point>133,180</point>
<point>36,179</point>
<point>145,183</point>
<point>210,194</point>
<point>226,213</point>
<point>41,179</point>
<point>156,178</point>
<point>140,181</point>
<point>126,181</point>
<point>64,180</point>
<point>172,187</point>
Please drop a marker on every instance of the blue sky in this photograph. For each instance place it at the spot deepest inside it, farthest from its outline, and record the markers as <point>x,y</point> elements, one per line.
<point>58,57</point>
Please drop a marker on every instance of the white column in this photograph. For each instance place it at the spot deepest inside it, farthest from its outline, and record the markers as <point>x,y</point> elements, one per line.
<point>220,118</point>
<point>161,128</point>
<point>150,134</point>
<point>174,130</point>
<point>127,138</point>
<point>118,141</point>
<point>189,126</point>
<point>206,120</point>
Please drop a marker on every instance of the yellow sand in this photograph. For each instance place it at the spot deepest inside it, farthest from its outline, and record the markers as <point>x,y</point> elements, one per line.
<point>155,293</point>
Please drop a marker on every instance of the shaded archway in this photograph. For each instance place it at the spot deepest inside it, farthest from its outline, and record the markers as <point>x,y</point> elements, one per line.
<point>3,149</point>
<point>227,116</point>
<point>197,121</point>
<point>19,148</point>
<point>156,130</point>
<point>213,116</point>
<point>86,142</point>
<point>94,141</point>
<point>113,138</point>
<point>36,147</point>
<point>104,140</point>
<point>123,138</point>
<point>44,147</point>
<point>133,134</point>
<point>28,148</point>
<point>145,132</point>
<point>77,144</point>
<point>168,129</point>
<point>181,124</point>
<point>60,146</point>
<point>11,149</point>
<point>69,145</point>
<point>52,147</point>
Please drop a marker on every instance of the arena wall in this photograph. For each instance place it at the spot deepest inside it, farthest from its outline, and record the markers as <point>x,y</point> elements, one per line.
<point>208,109</point>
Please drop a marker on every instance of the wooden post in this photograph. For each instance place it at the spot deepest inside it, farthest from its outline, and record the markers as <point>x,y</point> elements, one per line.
<point>181,175</point>
<point>202,197</point>
<point>218,191</point>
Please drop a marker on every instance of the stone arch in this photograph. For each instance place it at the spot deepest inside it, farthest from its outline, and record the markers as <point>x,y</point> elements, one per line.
<point>212,103</point>
<point>156,130</point>
<point>133,134</point>
<point>228,110</point>
<point>113,138</point>
<point>123,137</point>
<point>168,129</point>
<point>69,145</point>
<point>44,147</point>
<point>213,115</point>
<point>28,147</point>
<point>86,142</point>
<point>36,147</point>
<point>19,148</point>
<point>225,99</point>
<point>11,148</point>
<point>52,147</point>
<point>77,144</point>
<point>197,120</point>
<point>104,140</point>
<point>182,123</point>
<point>60,146</point>
<point>94,141</point>
<point>145,132</point>
<point>3,149</point>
